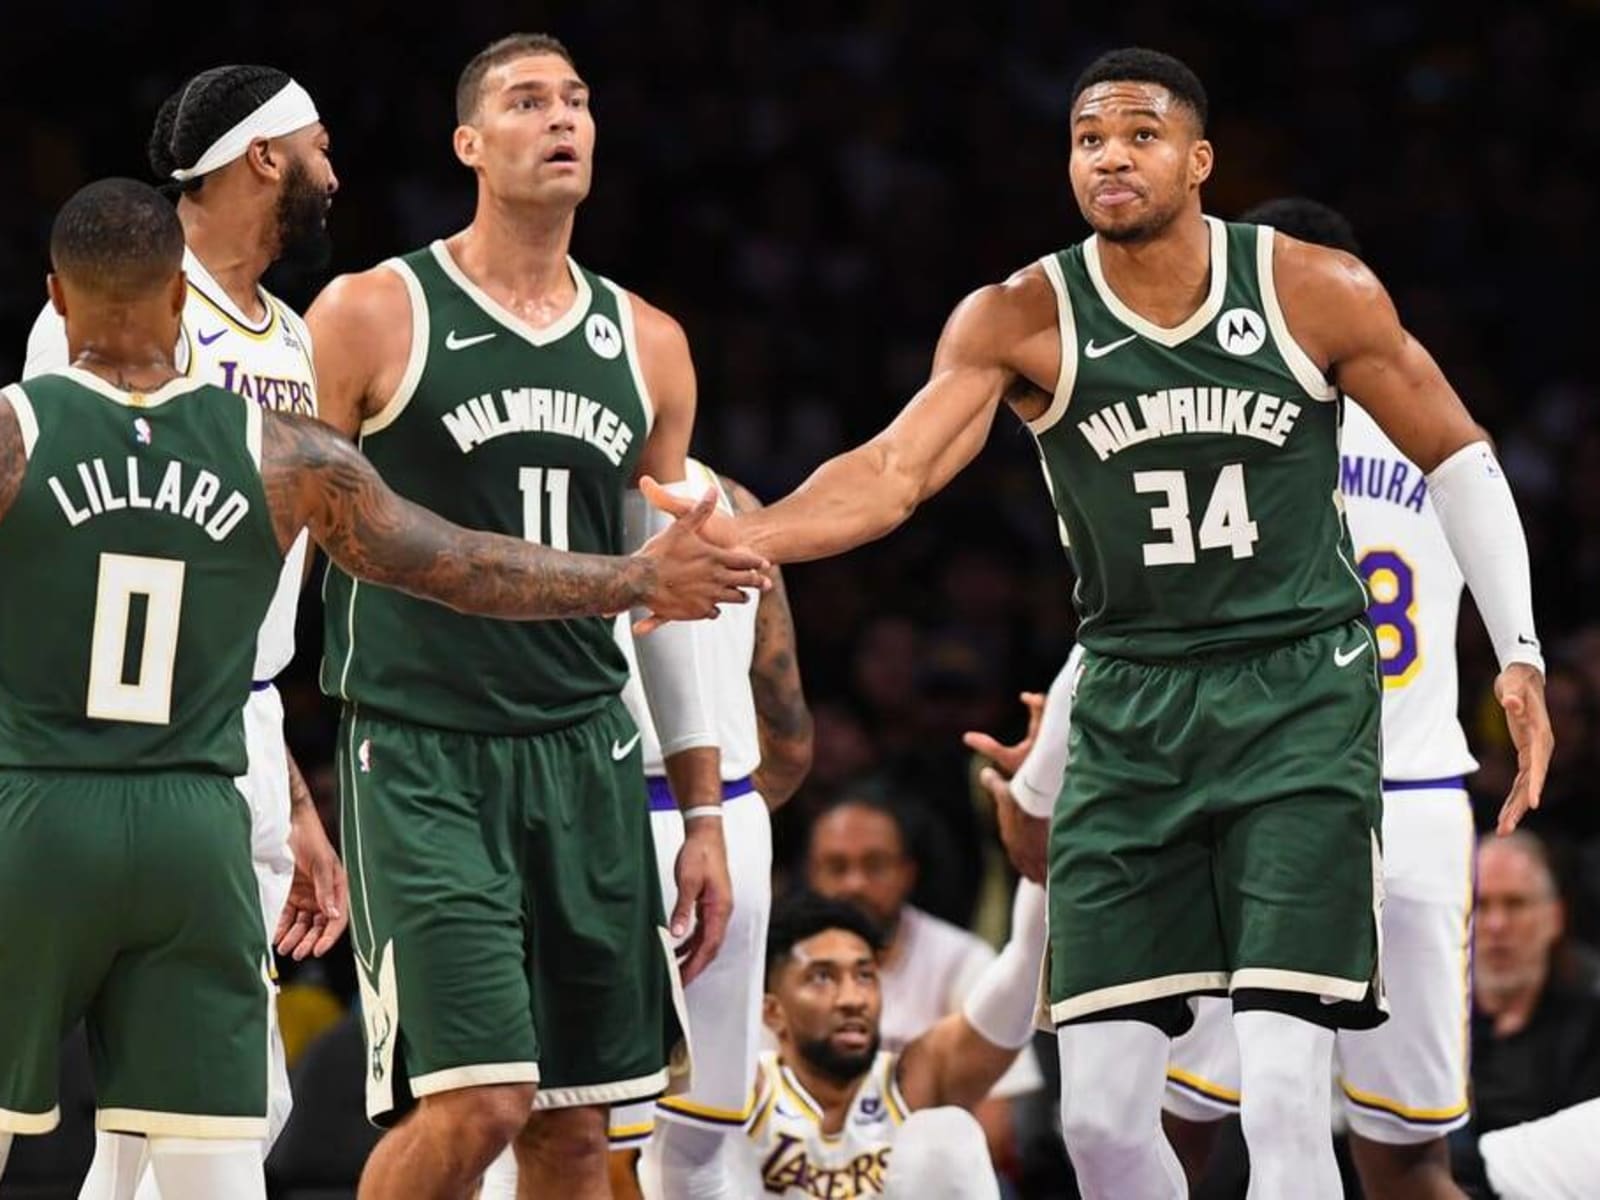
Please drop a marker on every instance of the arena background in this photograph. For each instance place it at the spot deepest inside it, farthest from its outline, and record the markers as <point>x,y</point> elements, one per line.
<point>810,189</point>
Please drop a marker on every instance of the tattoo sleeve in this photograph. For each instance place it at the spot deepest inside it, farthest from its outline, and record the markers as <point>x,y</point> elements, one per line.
<point>300,796</point>
<point>317,480</point>
<point>13,459</point>
<point>783,720</point>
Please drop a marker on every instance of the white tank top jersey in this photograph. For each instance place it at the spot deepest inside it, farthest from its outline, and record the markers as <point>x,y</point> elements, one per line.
<point>795,1159</point>
<point>268,361</point>
<point>729,645</point>
<point>1416,596</point>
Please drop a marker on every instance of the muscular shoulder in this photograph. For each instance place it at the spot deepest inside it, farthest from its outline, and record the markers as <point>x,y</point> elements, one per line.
<point>1009,325</point>
<point>664,356</point>
<point>1331,300</point>
<point>367,302</point>
<point>13,454</point>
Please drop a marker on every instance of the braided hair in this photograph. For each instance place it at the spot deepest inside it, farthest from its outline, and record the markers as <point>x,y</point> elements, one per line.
<point>202,110</point>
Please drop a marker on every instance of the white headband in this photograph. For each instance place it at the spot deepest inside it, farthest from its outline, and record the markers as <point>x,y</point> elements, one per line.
<point>288,110</point>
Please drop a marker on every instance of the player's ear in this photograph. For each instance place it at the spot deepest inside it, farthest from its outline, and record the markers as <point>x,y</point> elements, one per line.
<point>57,294</point>
<point>1201,161</point>
<point>263,161</point>
<point>468,145</point>
<point>180,292</point>
<point>771,1013</point>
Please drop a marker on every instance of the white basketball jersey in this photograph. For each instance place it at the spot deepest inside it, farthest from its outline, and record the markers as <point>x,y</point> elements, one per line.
<point>795,1159</point>
<point>1415,587</point>
<point>268,361</point>
<point>728,646</point>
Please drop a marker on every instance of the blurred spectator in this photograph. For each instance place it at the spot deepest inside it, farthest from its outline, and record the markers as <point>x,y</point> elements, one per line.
<point>858,853</point>
<point>1536,1008</point>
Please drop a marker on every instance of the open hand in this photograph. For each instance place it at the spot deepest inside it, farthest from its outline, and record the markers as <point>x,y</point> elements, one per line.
<point>705,896</point>
<point>318,907</point>
<point>1520,690</point>
<point>1026,839</point>
<point>693,575</point>
<point>1009,758</point>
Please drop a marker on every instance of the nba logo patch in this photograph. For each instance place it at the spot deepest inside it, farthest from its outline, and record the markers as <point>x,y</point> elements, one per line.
<point>364,756</point>
<point>141,431</point>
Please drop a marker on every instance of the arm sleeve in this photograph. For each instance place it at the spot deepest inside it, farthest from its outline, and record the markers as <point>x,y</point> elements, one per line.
<point>47,344</point>
<point>672,660</point>
<point>1038,779</point>
<point>1001,1004</point>
<point>1480,520</point>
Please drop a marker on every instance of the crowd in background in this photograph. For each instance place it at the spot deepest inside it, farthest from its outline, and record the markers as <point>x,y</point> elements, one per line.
<point>810,189</point>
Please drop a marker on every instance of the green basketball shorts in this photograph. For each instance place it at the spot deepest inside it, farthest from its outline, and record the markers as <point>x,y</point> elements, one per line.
<point>505,912</point>
<point>129,902</point>
<point>1218,830</point>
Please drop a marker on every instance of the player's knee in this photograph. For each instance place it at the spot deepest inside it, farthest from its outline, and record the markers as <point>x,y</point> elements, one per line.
<point>485,1119</point>
<point>1094,1133</point>
<point>575,1138</point>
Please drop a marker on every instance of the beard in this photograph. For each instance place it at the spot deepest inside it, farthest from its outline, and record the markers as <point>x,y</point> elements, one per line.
<point>303,239</point>
<point>835,1064</point>
<point>1147,227</point>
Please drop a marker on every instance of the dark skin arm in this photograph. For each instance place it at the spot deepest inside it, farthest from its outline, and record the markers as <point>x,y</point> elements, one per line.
<point>783,720</point>
<point>1345,321</point>
<point>13,462</point>
<point>316,480</point>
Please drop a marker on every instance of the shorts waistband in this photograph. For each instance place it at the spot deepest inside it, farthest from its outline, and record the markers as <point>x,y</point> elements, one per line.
<point>661,799</point>
<point>1452,783</point>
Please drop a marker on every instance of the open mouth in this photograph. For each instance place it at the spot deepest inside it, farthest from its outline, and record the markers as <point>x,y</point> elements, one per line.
<point>562,154</point>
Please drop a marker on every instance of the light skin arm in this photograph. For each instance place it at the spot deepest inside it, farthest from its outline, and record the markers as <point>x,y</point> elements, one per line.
<point>316,480</point>
<point>360,337</point>
<point>1346,322</point>
<point>1000,344</point>
<point>701,871</point>
<point>783,721</point>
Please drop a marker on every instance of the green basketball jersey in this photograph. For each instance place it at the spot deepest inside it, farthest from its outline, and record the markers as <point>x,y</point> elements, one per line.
<point>1195,469</point>
<point>139,558</point>
<point>522,431</point>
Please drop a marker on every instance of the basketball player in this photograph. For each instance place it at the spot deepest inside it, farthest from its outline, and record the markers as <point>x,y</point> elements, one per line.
<point>507,918</point>
<point>246,149</point>
<point>1405,1083</point>
<point>144,519</point>
<point>835,1115</point>
<point>1218,829</point>
<point>764,733</point>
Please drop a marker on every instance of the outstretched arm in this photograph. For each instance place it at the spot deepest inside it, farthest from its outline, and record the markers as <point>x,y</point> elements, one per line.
<point>316,480</point>
<point>998,338</point>
<point>961,1058</point>
<point>782,719</point>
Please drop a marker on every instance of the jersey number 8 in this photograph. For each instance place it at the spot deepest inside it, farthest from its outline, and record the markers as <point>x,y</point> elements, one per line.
<point>1392,586</point>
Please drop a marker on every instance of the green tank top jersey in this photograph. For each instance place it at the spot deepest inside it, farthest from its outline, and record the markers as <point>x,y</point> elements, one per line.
<point>1195,469</point>
<point>498,426</point>
<point>139,559</point>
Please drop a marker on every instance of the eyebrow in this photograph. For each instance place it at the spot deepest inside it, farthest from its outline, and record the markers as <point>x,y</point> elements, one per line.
<point>542,85</point>
<point>1150,113</point>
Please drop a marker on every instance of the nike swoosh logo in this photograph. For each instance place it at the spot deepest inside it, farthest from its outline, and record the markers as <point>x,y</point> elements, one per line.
<point>1343,658</point>
<point>620,752</point>
<point>206,341</point>
<point>1093,351</point>
<point>452,342</point>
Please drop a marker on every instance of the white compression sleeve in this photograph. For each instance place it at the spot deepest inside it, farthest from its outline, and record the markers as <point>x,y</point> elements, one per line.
<point>671,660</point>
<point>1286,1106</point>
<point>1038,780</point>
<point>1002,1001</point>
<point>47,344</point>
<point>205,1168</point>
<point>5,1152</point>
<point>694,1163</point>
<point>500,1180</point>
<point>1480,520</point>
<point>119,1162</point>
<point>1113,1075</point>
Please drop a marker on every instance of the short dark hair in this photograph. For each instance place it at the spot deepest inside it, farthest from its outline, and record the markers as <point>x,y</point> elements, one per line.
<point>118,237</point>
<point>1308,220</point>
<point>803,915</point>
<point>202,110</point>
<point>469,88</point>
<point>1135,64</point>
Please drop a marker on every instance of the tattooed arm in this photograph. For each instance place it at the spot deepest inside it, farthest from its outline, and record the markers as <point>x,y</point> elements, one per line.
<point>315,479</point>
<point>13,458</point>
<point>783,720</point>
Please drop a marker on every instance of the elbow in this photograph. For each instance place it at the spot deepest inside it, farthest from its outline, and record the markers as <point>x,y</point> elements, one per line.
<point>784,768</point>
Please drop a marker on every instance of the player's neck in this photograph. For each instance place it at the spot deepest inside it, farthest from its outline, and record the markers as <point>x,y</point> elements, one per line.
<point>1164,279</point>
<point>519,256</point>
<point>126,359</point>
<point>231,241</point>
<point>833,1096</point>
